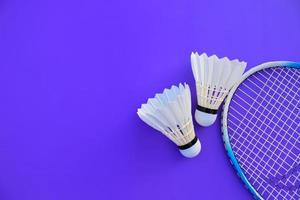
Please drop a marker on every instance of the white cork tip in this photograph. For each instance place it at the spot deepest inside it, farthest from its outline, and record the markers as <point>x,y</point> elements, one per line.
<point>192,151</point>
<point>205,119</point>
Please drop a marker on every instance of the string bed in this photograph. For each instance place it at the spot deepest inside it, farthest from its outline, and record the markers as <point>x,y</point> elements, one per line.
<point>264,129</point>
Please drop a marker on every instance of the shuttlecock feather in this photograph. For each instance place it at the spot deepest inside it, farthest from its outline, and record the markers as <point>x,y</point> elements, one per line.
<point>214,78</point>
<point>170,113</point>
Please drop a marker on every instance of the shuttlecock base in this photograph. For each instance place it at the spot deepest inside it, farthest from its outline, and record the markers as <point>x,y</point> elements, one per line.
<point>205,119</point>
<point>191,151</point>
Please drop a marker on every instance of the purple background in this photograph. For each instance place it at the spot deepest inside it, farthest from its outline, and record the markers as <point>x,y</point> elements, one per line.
<point>73,73</point>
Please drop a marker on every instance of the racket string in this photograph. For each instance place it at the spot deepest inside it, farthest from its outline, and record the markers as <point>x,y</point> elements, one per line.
<point>281,137</point>
<point>236,141</point>
<point>281,140</point>
<point>254,100</point>
<point>257,110</point>
<point>259,138</point>
<point>262,122</point>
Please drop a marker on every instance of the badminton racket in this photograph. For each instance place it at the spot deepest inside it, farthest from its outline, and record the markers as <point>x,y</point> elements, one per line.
<point>261,130</point>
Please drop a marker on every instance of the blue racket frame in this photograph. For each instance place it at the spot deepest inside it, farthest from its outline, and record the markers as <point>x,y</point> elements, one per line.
<point>226,140</point>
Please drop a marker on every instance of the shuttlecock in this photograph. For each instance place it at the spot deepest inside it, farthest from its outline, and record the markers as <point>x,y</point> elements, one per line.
<point>214,78</point>
<point>170,113</point>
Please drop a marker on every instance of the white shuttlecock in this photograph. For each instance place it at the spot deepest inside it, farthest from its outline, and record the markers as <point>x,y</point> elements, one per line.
<point>170,113</point>
<point>214,78</point>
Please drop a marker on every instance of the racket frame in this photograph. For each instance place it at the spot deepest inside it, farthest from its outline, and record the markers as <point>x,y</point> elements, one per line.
<point>225,136</point>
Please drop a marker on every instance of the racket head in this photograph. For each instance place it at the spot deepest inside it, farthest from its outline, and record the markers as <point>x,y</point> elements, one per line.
<point>249,137</point>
